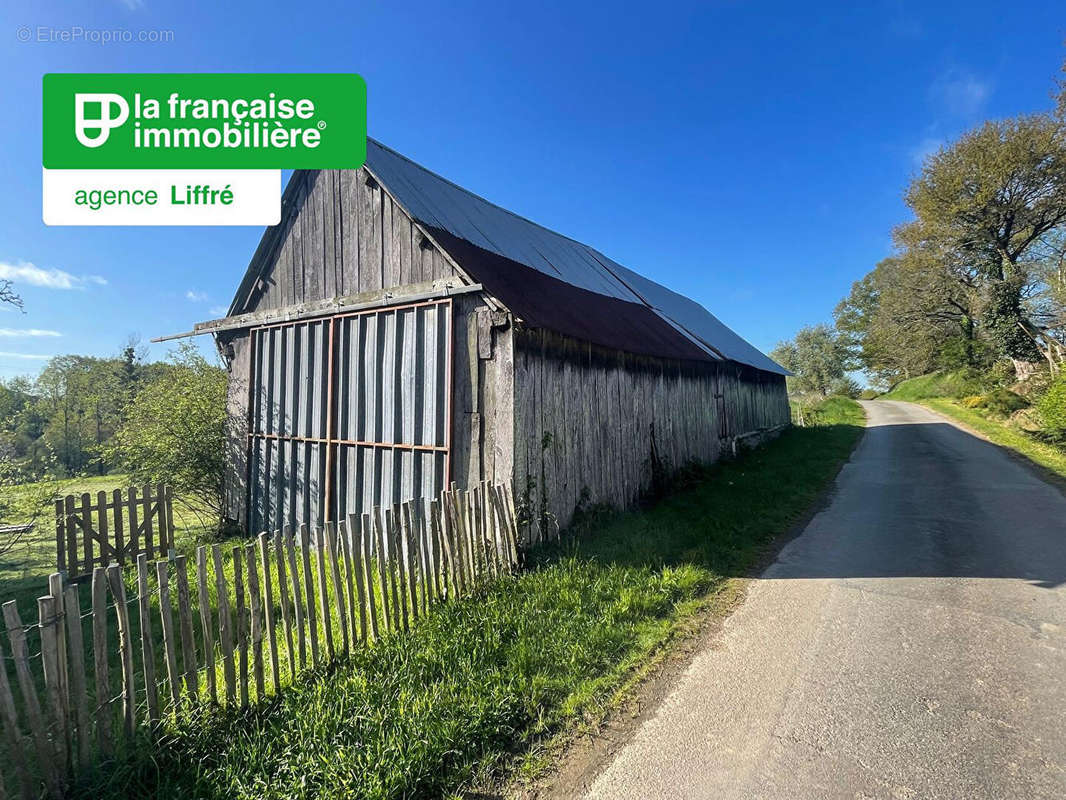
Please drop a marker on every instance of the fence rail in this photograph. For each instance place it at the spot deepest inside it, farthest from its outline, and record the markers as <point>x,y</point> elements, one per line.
<point>115,527</point>
<point>138,651</point>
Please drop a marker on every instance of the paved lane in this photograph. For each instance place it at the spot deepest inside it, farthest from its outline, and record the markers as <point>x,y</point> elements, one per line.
<point>911,643</point>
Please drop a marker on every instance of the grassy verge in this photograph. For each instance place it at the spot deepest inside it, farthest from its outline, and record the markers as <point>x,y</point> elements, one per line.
<point>949,383</point>
<point>480,682</point>
<point>1046,455</point>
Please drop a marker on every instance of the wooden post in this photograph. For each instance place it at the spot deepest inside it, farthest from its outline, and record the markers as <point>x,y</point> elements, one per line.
<point>283,596</point>
<point>101,528</point>
<point>147,646</point>
<point>394,522</point>
<point>125,648</point>
<point>512,517</point>
<point>379,529</point>
<point>79,696</point>
<point>297,603</point>
<point>454,514</point>
<point>135,528</point>
<point>46,755</point>
<point>344,533</point>
<point>409,544</point>
<point>166,616</point>
<point>16,755</point>
<point>72,536</point>
<point>338,587</point>
<point>48,623</point>
<point>440,572</point>
<point>146,523</point>
<point>268,606</point>
<point>188,642</point>
<point>242,636</point>
<point>366,531</point>
<point>443,521</point>
<point>86,532</point>
<point>256,611</point>
<point>120,539</point>
<point>61,537</point>
<point>204,602</point>
<point>353,556</point>
<point>55,589</point>
<point>312,623</point>
<point>323,592</point>
<point>225,626</point>
<point>169,510</point>
<point>425,550</point>
<point>101,667</point>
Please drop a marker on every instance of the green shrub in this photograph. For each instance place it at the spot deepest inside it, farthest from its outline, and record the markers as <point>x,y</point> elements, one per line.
<point>1052,409</point>
<point>1004,402</point>
<point>869,394</point>
<point>973,401</point>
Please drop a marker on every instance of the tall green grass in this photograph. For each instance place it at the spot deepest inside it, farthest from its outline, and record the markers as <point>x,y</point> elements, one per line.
<point>475,687</point>
<point>948,383</point>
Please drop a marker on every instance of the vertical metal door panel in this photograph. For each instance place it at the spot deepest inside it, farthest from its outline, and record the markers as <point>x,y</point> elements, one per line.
<point>355,408</point>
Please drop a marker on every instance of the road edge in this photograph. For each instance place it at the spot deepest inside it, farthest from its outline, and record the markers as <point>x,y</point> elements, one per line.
<point>582,754</point>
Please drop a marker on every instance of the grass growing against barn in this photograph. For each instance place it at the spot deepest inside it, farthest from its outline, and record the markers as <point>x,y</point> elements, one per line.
<point>480,682</point>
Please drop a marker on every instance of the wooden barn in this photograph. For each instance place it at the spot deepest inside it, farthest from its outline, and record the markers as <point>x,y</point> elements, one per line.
<point>395,333</point>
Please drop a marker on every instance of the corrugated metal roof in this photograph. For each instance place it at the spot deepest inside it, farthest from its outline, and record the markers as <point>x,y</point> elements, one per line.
<point>439,203</point>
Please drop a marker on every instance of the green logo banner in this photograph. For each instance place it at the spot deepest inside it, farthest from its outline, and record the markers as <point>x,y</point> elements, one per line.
<point>204,121</point>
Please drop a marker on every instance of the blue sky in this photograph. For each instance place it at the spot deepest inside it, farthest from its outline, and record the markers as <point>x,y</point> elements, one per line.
<point>750,155</point>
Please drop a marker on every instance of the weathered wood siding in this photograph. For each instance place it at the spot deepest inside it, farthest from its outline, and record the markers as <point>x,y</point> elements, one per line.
<point>588,420</point>
<point>236,472</point>
<point>483,402</point>
<point>345,237</point>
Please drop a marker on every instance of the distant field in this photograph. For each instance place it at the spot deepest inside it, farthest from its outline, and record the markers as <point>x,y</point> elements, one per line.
<point>24,569</point>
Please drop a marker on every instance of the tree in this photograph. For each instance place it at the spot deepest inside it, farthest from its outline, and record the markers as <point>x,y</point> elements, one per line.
<point>991,204</point>
<point>817,357</point>
<point>912,314</point>
<point>175,432</point>
<point>8,295</point>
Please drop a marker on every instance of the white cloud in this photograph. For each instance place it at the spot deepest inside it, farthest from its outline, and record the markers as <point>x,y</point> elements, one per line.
<point>132,5</point>
<point>28,356</point>
<point>960,92</point>
<point>195,296</point>
<point>23,332</point>
<point>925,148</point>
<point>218,311</point>
<point>46,277</point>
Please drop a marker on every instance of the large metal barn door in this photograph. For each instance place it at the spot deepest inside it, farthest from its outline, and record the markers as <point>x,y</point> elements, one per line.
<point>348,412</point>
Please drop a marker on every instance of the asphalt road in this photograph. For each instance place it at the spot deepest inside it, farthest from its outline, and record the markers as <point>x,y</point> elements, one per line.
<point>911,643</point>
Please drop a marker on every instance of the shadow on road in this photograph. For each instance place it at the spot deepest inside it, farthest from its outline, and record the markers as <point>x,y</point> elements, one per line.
<point>927,499</point>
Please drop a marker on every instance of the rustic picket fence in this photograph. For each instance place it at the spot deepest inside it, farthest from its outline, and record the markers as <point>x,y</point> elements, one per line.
<point>242,626</point>
<point>116,527</point>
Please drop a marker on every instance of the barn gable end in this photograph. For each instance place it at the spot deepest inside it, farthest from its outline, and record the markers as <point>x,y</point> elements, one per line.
<point>341,236</point>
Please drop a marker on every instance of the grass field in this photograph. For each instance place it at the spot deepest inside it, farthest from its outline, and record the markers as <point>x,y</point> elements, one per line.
<point>25,568</point>
<point>474,691</point>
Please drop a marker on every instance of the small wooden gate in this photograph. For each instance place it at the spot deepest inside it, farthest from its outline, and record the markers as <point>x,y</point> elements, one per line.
<point>112,528</point>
